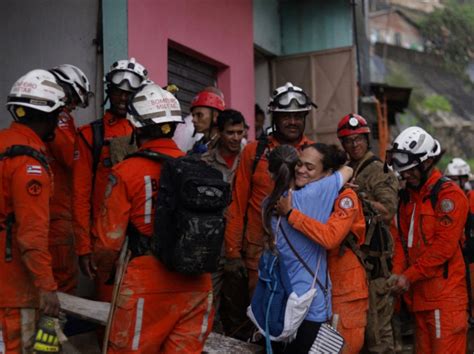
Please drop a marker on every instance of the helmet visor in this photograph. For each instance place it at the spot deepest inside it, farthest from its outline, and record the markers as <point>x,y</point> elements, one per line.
<point>126,80</point>
<point>401,159</point>
<point>285,99</point>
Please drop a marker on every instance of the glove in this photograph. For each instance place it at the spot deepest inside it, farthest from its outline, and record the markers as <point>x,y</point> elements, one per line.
<point>46,340</point>
<point>236,266</point>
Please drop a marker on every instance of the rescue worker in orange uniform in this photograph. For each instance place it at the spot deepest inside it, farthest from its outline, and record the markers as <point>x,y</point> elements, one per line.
<point>26,276</point>
<point>61,150</point>
<point>158,310</point>
<point>460,172</point>
<point>93,157</point>
<point>350,298</point>
<point>244,231</point>
<point>428,260</point>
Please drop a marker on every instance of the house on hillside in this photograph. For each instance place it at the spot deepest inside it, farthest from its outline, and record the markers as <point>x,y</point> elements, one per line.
<point>419,5</point>
<point>392,26</point>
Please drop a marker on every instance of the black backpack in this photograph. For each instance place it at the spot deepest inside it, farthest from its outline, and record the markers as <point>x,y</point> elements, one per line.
<point>11,152</point>
<point>376,252</point>
<point>189,222</point>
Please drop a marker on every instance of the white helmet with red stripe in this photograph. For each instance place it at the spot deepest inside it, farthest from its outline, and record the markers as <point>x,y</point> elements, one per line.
<point>153,105</point>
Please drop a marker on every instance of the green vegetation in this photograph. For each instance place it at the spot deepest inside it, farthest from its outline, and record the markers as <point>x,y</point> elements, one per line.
<point>450,34</point>
<point>435,103</point>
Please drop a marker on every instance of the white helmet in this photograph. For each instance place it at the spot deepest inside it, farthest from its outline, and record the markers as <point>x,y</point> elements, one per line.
<point>37,89</point>
<point>458,167</point>
<point>75,77</point>
<point>153,105</point>
<point>127,75</point>
<point>413,146</point>
<point>289,98</point>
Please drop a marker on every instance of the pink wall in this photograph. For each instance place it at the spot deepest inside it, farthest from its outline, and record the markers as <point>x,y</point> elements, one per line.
<point>220,30</point>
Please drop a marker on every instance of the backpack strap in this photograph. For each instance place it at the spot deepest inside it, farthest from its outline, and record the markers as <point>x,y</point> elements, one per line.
<point>435,190</point>
<point>98,135</point>
<point>351,243</point>
<point>366,163</point>
<point>150,155</point>
<point>11,152</point>
<point>324,288</point>
<point>261,146</point>
<point>22,150</point>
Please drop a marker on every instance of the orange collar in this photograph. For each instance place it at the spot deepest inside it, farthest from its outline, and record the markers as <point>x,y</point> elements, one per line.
<point>111,119</point>
<point>29,133</point>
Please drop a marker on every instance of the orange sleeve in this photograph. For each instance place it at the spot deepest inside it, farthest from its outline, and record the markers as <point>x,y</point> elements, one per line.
<point>331,234</point>
<point>63,145</point>
<point>240,199</point>
<point>82,194</point>
<point>448,231</point>
<point>110,225</point>
<point>30,195</point>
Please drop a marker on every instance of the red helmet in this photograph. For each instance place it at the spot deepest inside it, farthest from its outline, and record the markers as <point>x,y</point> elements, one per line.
<point>352,124</point>
<point>208,99</point>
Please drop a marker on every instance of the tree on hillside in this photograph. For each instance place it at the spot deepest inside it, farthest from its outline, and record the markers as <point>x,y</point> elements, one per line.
<point>450,33</point>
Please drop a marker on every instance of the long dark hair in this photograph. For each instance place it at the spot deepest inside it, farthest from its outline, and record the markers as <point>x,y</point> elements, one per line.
<point>281,164</point>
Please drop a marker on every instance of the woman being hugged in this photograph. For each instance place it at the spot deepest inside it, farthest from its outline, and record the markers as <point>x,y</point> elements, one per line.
<point>321,175</point>
<point>342,236</point>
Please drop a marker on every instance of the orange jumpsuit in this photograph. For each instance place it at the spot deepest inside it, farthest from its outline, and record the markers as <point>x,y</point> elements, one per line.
<point>350,298</point>
<point>61,237</point>
<point>470,198</point>
<point>435,265</point>
<point>26,190</point>
<point>157,310</point>
<point>88,191</point>
<point>250,245</point>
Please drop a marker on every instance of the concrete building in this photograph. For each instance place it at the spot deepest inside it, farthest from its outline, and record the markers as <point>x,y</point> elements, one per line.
<point>392,26</point>
<point>245,47</point>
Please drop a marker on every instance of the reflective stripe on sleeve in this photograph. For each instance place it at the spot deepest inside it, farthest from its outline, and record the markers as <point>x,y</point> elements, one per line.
<point>411,230</point>
<point>138,324</point>
<point>148,200</point>
<point>437,323</point>
<point>205,320</point>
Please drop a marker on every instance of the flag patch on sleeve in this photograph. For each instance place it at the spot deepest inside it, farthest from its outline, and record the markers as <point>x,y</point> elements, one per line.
<point>34,170</point>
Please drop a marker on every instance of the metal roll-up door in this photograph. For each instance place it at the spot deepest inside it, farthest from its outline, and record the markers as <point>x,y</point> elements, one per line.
<point>190,75</point>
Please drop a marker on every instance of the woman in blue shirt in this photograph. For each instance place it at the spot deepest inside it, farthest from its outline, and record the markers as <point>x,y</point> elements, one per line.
<point>317,174</point>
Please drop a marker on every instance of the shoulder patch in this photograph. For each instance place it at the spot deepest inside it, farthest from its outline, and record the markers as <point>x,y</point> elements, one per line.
<point>346,203</point>
<point>34,170</point>
<point>447,205</point>
<point>34,187</point>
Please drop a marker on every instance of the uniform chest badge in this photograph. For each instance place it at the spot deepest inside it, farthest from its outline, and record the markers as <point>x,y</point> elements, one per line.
<point>346,203</point>
<point>447,205</point>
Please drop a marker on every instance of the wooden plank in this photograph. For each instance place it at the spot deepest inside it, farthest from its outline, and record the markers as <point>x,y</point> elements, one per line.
<point>94,311</point>
<point>219,344</point>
